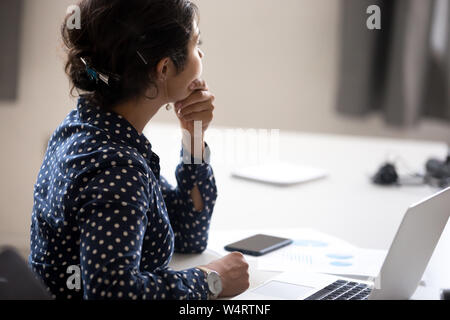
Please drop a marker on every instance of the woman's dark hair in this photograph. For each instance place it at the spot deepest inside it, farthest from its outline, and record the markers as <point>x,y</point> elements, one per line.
<point>126,38</point>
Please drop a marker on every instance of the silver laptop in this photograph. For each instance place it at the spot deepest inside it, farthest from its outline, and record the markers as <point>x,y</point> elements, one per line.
<point>402,270</point>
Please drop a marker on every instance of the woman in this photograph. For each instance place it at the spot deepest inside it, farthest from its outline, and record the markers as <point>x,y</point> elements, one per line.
<point>100,203</point>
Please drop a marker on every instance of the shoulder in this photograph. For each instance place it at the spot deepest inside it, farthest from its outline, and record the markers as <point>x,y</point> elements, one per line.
<point>83,145</point>
<point>89,152</point>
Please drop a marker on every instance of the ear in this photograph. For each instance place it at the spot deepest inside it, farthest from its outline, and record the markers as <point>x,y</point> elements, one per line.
<point>162,68</point>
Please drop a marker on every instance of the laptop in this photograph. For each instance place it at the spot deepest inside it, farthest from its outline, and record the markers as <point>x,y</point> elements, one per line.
<point>402,270</point>
<point>17,280</point>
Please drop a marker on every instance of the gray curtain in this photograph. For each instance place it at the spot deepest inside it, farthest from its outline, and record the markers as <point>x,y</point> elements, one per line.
<point>402,70</point>
<point>10,13</point>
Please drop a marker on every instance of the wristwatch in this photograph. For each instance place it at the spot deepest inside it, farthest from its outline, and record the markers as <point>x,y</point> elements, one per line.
<point>214,282</point>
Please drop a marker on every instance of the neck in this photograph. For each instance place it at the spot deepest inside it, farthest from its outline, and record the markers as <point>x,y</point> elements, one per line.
<point>138,112</point>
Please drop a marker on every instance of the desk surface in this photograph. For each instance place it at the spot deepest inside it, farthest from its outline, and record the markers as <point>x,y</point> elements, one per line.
<point>345,204</point>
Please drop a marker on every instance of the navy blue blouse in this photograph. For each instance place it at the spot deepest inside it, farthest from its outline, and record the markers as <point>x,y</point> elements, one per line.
<point>101,206</point>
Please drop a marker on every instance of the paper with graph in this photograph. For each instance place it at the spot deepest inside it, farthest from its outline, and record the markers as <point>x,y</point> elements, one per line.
<point>327,259</point>
<point>311,251</point>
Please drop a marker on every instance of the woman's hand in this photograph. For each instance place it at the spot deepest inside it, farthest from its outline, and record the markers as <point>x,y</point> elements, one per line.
<point>233,271</point>
<point>198,106</point>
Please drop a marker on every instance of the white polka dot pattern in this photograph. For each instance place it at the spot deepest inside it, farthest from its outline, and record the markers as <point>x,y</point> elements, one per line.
<point>101,204</point>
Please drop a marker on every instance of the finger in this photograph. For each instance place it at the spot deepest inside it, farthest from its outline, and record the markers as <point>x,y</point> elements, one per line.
<point>197,96</point>
<point>196,107</point>
<point>204,116</point>
<point>237,254</point>
<point>199,84</point>
<point>199,116</point>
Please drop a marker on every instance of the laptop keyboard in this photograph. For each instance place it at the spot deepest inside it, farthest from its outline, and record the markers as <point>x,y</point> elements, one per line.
<point>342,290</point>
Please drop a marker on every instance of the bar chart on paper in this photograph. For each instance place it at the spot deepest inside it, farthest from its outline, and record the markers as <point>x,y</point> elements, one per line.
<point>333,256</point>
<point>310,251</point>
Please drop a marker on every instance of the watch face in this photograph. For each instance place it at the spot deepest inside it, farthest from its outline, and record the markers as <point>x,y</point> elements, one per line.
<point>214,283</point>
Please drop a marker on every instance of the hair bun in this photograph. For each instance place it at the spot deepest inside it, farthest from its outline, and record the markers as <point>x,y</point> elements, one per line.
<point>83,81</point>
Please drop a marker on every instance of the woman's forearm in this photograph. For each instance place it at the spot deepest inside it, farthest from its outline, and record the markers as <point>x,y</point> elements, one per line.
<point>189,137</point>
<point>197,199</point>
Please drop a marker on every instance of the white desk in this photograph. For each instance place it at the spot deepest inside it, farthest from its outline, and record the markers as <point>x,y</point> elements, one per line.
<point>345,204</point>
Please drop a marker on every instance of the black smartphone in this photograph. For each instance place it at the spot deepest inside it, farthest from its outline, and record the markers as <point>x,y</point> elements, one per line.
<point>258,245</point>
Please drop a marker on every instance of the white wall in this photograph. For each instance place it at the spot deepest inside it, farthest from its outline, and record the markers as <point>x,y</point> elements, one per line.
<point>26,124</point>
<point>271,64</point>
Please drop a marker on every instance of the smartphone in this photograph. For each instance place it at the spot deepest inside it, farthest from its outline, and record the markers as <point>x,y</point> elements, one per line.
<point>258,245</point>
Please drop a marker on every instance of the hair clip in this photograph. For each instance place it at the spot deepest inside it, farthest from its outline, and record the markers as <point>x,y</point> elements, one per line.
<point>91,72</point>
<point>142,57</point>
<point>95,75</point>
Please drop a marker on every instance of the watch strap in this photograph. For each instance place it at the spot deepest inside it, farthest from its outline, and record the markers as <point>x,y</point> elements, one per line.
<point>204,269</point>
<point>207,271</point>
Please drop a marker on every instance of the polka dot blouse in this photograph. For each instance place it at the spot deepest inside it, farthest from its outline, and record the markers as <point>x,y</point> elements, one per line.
<point>101,207</point>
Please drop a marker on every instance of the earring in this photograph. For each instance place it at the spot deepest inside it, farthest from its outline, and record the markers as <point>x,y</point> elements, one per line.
<point>169,105</point>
